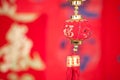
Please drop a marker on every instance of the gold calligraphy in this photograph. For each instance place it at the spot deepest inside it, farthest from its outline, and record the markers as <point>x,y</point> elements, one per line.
<point>9,8</point>
<point>16,53</point>
<point>14,76</point>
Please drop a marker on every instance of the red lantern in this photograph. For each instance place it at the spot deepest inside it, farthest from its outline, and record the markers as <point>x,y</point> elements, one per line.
<point>77,30</point>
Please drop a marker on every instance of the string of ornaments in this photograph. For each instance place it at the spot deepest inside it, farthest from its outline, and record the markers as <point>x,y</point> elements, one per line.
<point>77,29</point>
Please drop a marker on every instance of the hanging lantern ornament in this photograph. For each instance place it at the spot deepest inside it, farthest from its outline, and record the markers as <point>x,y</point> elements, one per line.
<point>77,30</point>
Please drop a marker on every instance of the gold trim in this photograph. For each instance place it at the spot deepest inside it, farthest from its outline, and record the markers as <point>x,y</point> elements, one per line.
<point>73,61</point>
<point>76,42</point>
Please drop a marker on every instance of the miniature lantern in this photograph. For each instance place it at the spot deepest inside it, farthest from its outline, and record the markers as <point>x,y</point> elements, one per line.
<point>77,30</point>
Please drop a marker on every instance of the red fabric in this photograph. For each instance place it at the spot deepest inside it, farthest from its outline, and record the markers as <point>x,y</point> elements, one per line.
<point>111,40</point>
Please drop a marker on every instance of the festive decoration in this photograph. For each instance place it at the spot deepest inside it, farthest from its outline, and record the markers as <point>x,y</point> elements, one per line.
<point>76,29</point>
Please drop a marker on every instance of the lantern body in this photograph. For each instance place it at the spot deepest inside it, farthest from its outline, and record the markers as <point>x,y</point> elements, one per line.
<point>77,30</point>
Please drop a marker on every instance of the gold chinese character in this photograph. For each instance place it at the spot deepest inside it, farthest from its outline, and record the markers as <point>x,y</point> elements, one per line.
<point>16,53</point>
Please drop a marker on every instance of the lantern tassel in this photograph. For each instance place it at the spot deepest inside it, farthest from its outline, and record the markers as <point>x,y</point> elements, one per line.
<point>73,73</point>
<point>73,67</point>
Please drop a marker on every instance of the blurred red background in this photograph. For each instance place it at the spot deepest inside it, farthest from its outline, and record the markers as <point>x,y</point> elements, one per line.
<point>33,47</point>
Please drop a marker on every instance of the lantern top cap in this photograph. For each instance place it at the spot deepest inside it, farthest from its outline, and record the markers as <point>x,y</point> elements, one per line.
<point>76,0</point>
<point>71,1</point>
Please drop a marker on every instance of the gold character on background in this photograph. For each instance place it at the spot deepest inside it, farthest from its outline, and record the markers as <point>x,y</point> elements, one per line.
<point>14,76</point>
<point>16,53</point>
